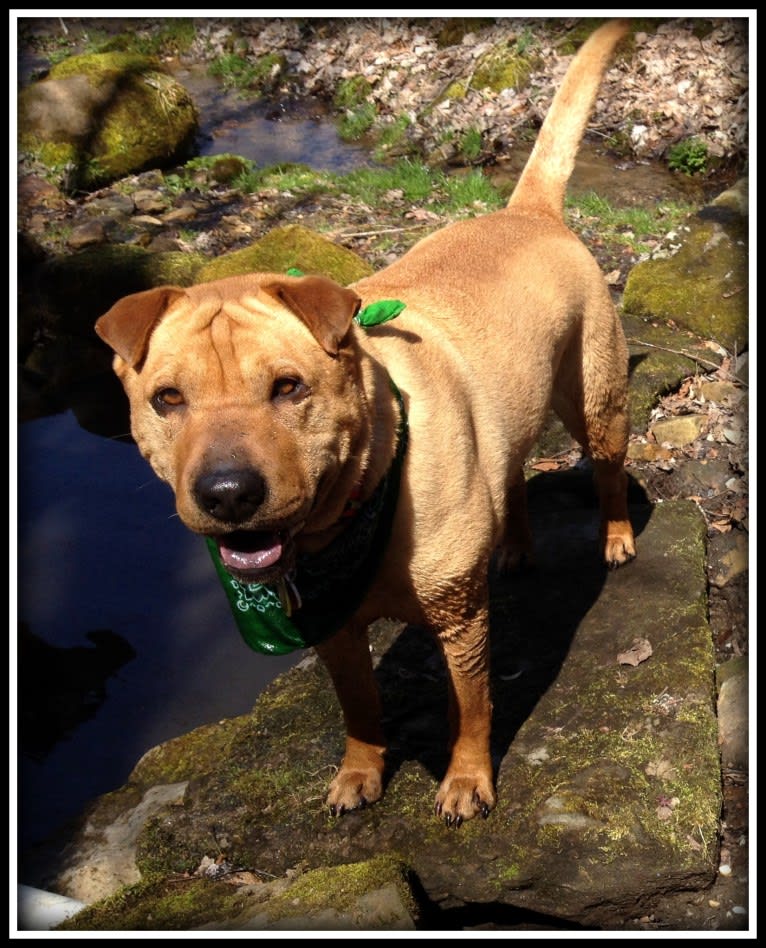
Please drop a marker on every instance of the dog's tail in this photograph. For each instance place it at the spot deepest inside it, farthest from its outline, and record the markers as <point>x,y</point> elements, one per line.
<point>543,182</point>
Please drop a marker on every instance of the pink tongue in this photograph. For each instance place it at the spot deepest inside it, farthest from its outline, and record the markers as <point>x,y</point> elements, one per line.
<point>266,554</point>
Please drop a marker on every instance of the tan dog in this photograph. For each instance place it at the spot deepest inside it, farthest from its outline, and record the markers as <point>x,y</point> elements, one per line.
<point>267,408</point>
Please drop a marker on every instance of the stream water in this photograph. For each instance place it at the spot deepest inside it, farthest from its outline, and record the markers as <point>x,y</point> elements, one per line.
<point>127,639</point>
<point>267,134</point>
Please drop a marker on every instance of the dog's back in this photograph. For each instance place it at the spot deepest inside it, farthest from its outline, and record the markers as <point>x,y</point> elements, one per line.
<point>511,315</point>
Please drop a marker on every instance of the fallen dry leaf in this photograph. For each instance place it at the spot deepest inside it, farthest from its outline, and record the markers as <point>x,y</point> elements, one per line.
<point>638,652</point>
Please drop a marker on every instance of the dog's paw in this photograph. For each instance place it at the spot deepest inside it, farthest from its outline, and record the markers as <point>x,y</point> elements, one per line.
<point>461,798</point>
<point>619,548</point>
<point>352,789</point>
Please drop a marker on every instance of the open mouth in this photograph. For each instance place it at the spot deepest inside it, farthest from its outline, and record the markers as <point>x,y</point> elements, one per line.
<point>256,556</point>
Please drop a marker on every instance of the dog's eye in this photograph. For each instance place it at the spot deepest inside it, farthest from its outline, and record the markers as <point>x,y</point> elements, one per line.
<point>290,388</point>
<point>166,399</point>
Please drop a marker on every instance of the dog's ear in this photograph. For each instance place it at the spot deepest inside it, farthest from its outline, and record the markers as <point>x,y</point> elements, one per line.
<point>324,306</point>
<point>126,327</point>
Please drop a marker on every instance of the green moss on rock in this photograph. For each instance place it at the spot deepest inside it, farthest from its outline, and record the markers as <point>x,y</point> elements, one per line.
<point>160,905</point>
<point>340,887</point>
<point>106,115</point>
<point>503,67</point>
<point>287,247</point>
<point>703,286</point>
<point>660,359</point>
<point>185,903</point>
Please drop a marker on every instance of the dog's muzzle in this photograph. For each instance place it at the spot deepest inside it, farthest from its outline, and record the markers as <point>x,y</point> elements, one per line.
<point>231,496</point>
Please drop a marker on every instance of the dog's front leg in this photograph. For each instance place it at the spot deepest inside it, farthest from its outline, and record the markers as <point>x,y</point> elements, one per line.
<point>360,778</point>
<point>468,787</point>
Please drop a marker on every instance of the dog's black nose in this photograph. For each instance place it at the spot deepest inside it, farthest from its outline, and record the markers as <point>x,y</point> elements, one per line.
<point>232,495</point>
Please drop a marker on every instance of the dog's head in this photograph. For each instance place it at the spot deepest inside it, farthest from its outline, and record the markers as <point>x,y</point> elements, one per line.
<point>245,396</point>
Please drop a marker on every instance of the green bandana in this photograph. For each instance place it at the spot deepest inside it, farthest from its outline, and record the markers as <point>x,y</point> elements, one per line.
<point>328,586</point>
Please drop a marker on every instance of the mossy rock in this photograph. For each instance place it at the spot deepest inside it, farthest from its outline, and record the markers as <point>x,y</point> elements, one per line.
<point>503,67</point>
<point>283,248</point>
<point>157,904</point>
<point>661,357</point>
<point>703,287</point>
<point>374,895</point>
<point>99,117</point>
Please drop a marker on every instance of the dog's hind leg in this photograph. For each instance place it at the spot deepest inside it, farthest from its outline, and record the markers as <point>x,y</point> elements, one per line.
<point>516,547</point>
<point>590,397</point>
<point>360,779</point>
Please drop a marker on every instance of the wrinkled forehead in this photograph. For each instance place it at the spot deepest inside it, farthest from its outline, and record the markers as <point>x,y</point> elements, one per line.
<point>245,305</point>
<point>203,325</point>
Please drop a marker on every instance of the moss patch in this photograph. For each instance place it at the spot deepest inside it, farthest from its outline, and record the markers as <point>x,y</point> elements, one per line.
<point>703,286</point>
<point>501,68</point>
<point>287,247</point>
<point>341,886</point>
<point>125,114</point>
<point>160,905</point>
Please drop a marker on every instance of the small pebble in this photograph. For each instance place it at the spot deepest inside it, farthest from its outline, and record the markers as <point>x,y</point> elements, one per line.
<point>725,869</point>
<point>739,910</point>
<point>713,903</point>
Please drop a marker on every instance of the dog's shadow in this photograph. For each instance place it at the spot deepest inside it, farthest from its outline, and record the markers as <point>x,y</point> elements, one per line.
<point>534,616</point>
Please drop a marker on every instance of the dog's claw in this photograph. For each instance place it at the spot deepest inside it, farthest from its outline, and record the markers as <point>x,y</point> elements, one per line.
<point>338,809</point>
<point>484,810</point>
<point>458,821</point>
